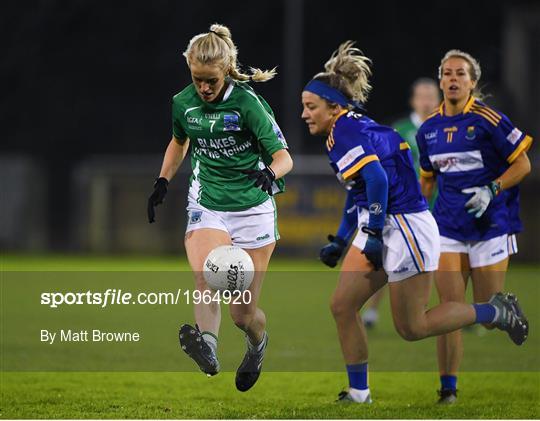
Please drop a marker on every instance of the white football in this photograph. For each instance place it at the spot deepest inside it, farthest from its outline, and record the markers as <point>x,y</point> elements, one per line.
<point>228,268</point>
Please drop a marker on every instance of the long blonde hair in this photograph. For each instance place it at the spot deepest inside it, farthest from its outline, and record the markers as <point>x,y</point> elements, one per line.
<point>217,47</point>
<point>348,71</point>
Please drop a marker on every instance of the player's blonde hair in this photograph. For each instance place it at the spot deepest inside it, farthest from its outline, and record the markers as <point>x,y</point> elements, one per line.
<point>348,71</point>
<point>475,71</point>
<point>217,47</point>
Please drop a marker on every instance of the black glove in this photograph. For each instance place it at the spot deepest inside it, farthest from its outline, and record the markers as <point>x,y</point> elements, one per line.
<point>156,198</point>
<point>332,252</point>
<point>374,246</point>
<point>263,178</point>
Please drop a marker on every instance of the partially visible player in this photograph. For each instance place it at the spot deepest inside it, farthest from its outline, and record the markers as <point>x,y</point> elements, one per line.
<point>238,157</point>
<point>396,233</point>
<point>424,99</point>
<point>477,157</point>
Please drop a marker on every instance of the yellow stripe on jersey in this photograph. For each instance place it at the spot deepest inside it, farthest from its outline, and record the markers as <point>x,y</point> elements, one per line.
<point>404,146</point>
<point>355,168</point>
<point>492,113</point>
<point>411,241</point>
<point>486,116</point>
<point>488,111</point>
<point>426,174</point>
<point>330,141</point>
<point>340,114</point>
<point>441,109</point>
<point>523,147</point>
<point>433,114</point>
<point>466,109</point>
<point>529,143</point>
<point>469,104</point>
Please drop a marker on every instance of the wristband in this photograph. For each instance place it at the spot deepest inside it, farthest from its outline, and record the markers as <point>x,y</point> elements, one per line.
<point>495,187</point>
<point>373,231</point>
<point>271,171</point>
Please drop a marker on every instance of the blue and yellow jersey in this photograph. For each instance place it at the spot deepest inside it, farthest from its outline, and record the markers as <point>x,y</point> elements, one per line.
<point>469,149</point>
<point>356,140</point>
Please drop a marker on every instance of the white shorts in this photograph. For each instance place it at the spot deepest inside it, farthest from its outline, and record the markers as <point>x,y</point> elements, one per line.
<point>249,229</point>
<point>481,253</point>
<point>512,244</point>
<point>411,243</point>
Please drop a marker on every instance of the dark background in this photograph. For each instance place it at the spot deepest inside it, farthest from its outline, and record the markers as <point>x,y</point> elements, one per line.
<point>83,77</point>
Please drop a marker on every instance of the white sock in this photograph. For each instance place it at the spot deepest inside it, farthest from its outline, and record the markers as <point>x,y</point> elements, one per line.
<point>359,395</point>
<point>497,312</point>
<point>256,348</point>
<point>370,315</point>
<point>211,340</point>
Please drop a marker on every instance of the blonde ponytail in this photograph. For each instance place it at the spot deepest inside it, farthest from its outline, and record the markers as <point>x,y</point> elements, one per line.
<point>348,71</point>
<point>217,47</point>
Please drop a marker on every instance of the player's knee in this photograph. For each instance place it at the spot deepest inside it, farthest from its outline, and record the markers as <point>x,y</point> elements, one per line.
<point>451,296</point>
<point>200,283</point>
<point>341,308</point>
<point>242,321</point>
<point>411,331</point>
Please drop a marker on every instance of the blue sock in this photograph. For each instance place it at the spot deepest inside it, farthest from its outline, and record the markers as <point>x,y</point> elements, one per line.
<point>449,382</point>
<point>358,376</point>
<point>485,313</point>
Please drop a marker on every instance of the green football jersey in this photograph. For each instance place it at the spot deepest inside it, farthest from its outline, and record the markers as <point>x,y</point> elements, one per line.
<point>407,130</point>
<point>227,137</point>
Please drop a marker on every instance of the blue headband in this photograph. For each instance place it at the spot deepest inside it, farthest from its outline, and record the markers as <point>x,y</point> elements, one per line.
<point>330,94</point>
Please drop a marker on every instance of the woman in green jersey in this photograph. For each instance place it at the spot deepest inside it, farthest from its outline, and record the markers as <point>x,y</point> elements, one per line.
<point>238,158</point>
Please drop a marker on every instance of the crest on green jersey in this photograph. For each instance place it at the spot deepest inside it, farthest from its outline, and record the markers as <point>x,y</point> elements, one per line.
<point>230,123</point>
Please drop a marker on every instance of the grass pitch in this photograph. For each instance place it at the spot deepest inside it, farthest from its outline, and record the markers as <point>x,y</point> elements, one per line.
<point>276,395</point>
<point>403,376</point>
